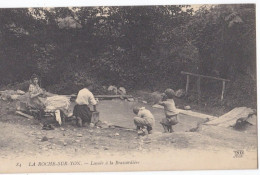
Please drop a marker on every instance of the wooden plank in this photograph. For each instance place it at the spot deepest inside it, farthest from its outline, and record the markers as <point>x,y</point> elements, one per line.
<point>187,84</point>
<point>121,127</point>
<point>204,76</point>
<point>71,96</point>
<point>198,89</point>
<point>105,96</point>
<point>189,113</point>
<point>24,115</point>
<point>227,116</point>
<point>113,96</point>
<point>230,118</point>
<point>223,89</point>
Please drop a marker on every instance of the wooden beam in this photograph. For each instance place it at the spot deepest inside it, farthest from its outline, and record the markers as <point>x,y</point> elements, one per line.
<point>204,76</point>
<point>198,89</point>
<point>105,96</point>
<point>223,90</point>
<point>187,84</point>
<point>121,127</point>
<point>24,115</point>
<point>112,96</point>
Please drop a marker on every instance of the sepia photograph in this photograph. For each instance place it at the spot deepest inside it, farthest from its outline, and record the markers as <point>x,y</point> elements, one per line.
<point>128,88</point>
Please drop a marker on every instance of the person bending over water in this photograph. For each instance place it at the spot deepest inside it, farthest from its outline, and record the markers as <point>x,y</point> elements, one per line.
<point>81,110</point>
<point>143,120</point>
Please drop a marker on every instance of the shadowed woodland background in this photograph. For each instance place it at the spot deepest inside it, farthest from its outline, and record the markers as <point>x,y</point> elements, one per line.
<point>134,47</point>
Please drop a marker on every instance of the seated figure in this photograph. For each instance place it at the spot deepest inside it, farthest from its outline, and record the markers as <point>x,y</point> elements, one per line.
<point>45,102</point>
<point>37,95</point>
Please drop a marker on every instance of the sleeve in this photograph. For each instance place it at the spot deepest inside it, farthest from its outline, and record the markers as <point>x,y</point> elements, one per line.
<point>92,99</point>
<point>162,103</point>
<point>31,89</point>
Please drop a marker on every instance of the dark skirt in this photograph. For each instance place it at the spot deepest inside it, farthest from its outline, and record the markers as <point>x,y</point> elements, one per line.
<point>83,112</point>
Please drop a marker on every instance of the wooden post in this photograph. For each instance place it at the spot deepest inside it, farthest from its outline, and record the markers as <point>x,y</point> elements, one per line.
<point>187,84</point>
<point>198,88</point>
<point>223,89</point>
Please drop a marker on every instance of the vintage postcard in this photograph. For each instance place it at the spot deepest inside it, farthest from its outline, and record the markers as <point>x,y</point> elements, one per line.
<point>128,88</point>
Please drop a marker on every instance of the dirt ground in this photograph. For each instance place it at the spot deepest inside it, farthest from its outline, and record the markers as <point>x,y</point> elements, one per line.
<point>23,137</point>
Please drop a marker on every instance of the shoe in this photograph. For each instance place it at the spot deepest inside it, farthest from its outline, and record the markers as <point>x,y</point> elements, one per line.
<point>47,127</point>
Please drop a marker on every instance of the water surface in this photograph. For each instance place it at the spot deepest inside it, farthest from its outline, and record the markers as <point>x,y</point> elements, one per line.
<point>120,112</point>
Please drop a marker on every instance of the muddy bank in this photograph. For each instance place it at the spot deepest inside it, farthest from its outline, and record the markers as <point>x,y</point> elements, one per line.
<point>25,137</point>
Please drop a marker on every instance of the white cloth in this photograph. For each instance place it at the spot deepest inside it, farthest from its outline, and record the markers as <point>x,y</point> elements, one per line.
<point>85,97</point>
<point>57,102</point>
<point>144,113</point>
<point>58,117</point>
<point>169,107</point>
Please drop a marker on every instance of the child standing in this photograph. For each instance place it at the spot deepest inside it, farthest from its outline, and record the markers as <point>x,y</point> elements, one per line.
<point>143,119</point>
<point>170,110</point>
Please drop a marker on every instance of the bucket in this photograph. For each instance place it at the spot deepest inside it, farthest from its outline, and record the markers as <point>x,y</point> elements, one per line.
<point>95,117</point>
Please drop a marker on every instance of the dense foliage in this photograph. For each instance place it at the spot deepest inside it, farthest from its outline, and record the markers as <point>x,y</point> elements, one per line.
<point>135,47</point>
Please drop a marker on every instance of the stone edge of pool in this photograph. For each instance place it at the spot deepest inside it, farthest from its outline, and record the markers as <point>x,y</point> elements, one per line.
<point>196,114</point>
<point>190,113</point>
